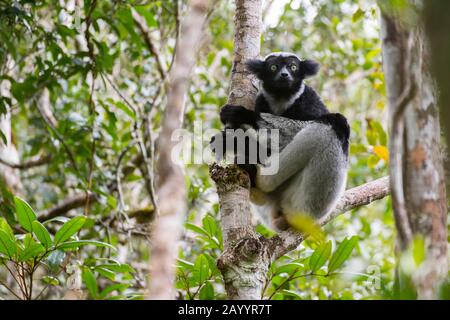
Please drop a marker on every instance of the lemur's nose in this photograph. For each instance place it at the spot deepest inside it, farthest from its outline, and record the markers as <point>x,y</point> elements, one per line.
<point>284,74</point>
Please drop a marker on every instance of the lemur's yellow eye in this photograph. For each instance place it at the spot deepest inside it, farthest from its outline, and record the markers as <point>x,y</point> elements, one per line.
<point>273,67</point>
<point>293,67</point>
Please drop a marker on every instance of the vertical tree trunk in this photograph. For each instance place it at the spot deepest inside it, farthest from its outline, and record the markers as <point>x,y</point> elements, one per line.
<point>8,151</point>
<point>244,262</point>
<point>171,194</point>
<point>417,180</point>
<point>437,27</point>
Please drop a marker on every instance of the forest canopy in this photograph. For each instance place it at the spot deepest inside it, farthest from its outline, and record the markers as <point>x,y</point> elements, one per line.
<point>86,89</point>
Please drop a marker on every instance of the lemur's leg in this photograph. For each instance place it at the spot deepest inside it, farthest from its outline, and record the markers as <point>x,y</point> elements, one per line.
<point>306,146</point>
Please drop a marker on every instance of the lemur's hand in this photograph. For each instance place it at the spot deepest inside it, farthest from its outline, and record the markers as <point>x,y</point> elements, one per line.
<point>218,145</point>
<point>236,116</point>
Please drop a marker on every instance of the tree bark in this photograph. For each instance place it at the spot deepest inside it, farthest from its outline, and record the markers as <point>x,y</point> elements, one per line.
<point>171,193</point>
<point>418,184</point>
<point>8,152</point>
<point>437,25</point>
<point>245,260</point>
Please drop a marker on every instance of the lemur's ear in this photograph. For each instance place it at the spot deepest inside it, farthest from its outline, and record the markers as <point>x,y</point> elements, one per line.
<point>256,66</point>
<point>309,67</point>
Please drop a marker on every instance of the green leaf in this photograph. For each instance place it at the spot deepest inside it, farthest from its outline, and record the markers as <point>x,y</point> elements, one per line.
<point>106,273</point>
<point>125,108</point>
<point>201,269</point>
<point>342,253</point>
<point>185,264</point>
<point>320,256</point>
<point>3,137</point>
<point>207,291</point>
<point>118,267</point>
<point>78,243</point>
<point>7,245</point>
<point>358,15</point>
<point>197,229</point>
<point>42,234</point>
<point>69,228</point>
<point>115,287</point>
<point>289,268</point>
<point>210,225</point>
<point>53,281</point>
<point>90,281</point>
<point>34,250</point>
<point>4,225</point>
<point>25,214</point>
<point>149,17</point>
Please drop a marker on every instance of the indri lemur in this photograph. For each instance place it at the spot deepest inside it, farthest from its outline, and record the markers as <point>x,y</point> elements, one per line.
<point>313,146</point>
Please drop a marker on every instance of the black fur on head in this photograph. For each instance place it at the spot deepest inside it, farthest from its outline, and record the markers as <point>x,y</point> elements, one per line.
<point>282,73</point>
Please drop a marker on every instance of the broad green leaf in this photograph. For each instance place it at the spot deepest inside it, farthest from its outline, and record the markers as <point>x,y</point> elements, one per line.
<point>291,293</point>
<point>196,229</point>
<point>53,281</point>
<point>119,267</point>
<point>207,291</point>
<point>148,15</point>
<point>78,243</point>
<point>25,214</point>
<point>42,234</point>
<point>210,225</point>
<point>289,268</point>
<point>358,15</point>
<point>342,253</point>
<point>106,273</point>
<point>90,281</point>
<point>185,264</point>
<point>34,250</point>
<point>69,228</point>
<point>201,269</point>
<point>115,287</point>
<point>6,227</point>
<point>7,245</point>
<point>125,108</point>
<point>320,256</point>
<point>3,137</point>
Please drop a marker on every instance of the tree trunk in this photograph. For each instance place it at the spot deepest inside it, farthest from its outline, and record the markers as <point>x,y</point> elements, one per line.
<point>8,152</point>
<point>171,194</point>
<point>418,184</point>
<point>244,262</point>
<point>437,27</point>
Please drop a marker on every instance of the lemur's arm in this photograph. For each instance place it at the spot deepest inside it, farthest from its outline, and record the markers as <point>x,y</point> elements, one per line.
<point>235,117</point>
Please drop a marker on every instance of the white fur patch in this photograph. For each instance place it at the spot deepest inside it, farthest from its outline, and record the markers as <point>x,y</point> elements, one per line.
<point>282,54</point>
<point>279,106</point>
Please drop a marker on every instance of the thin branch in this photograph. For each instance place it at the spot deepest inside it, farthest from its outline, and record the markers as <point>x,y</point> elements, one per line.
<point>34,162</point>
<point>145,31</point>
<point>65,206</point>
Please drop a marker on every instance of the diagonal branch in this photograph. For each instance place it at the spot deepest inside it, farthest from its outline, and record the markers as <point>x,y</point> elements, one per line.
<point>145,31</point>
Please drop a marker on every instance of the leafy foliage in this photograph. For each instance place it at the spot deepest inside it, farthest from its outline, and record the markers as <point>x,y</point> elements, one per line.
<point>104,106</point>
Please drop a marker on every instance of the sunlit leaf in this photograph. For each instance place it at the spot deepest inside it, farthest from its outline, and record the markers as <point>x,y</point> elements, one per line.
<point>25,214</point>
<point>342,253</point>
<point>320,256</point>
<point>69,228</point>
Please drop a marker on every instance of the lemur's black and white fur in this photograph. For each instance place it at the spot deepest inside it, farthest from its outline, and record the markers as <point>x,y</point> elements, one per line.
<point>313,151</point>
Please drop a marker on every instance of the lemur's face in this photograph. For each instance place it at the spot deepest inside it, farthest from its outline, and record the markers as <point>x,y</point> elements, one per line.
<point>282,73</point>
